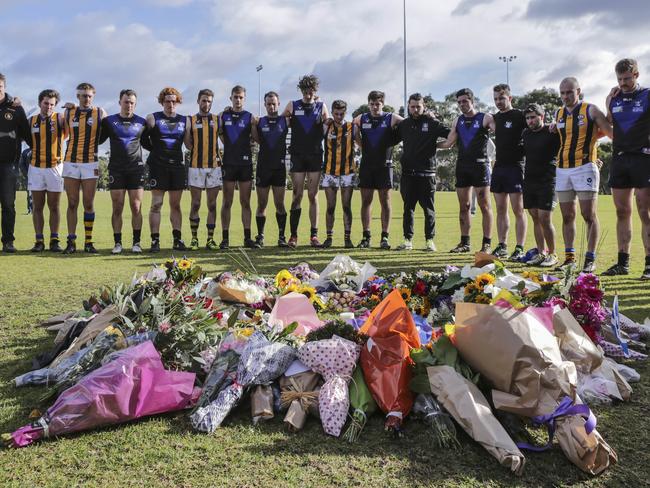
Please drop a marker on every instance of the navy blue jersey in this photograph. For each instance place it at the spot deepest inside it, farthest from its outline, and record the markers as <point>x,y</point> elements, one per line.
<point>126,138</point>
<point>307,128</point>
<point>167,140</point>
<point>273,142</point>
<point>377,140</point>
<point>236,128</point>
<point>631,118</point>
<point>472,139</point>
<point>508,129</point>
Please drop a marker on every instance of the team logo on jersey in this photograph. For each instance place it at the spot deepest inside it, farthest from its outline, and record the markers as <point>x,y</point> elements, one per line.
<point>383,124</point>
<point>228,122</point>
<point>367,126</point>
<point>508,124</point>
<point>476,124</point>
<point>9,115</point>
<point>425,127</point>
<point>89,121</point>
<point>266,129</point>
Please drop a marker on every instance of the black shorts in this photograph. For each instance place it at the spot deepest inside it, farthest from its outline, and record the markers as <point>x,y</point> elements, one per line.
<point>271,177</point>
<point>167,178</point>
<point>507,179</point>
<point>376,178</point>
<point>630,170</point>
<point>477,175</point>
<point>539,194</point>
<point>237,172</point>
<point>126,178</point>
<point>306,163</point>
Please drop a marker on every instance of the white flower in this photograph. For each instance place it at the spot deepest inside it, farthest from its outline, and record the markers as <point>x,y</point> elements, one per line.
<point>491,290</point>
<point>458,296</point>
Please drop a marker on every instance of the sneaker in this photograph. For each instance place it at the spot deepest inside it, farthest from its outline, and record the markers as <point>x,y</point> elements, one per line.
<point>517,254</point>
<point>225,244</point>
<point>384,244</point>
<point>407,245</point>
<point>365,242</point>
<point>589,266</point>
<point>117,249</point>
<point>282,241</point>
<point>314,242</point>
<point>293,242</point>
<point>155,245</point>
<point>567,262</point>
<point>259,239</point>
<point>8,247</point>
<point>486,248</point>
<point>327,243</point>
<point>549,261</point>
<point>501,251</point>
<point>646,274</point>
<point>530,255</point>
<point>537,259</point>
<point>39,246</point>
<point>430,246</point>
<point>460,248</point>
<point>70,248</point>
<point>616,270</point>
<point>348,244</point>
<point>179,245</point>
<point>194,244</point>
<point>210,245</point>
<point>136,249</point>
<point>251,244</point>
<point>90,248</point>
<point>55,246</point>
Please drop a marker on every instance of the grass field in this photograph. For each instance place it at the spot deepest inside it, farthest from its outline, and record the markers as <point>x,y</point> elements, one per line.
<point>164,450</point>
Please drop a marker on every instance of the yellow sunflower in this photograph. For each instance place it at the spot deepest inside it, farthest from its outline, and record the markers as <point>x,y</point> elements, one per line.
<point>532,276</point>
<point>406,293</point>
<point>283,278</point>
<point>483,279</point>
<point>308,291</point>
<point>184,264</point>
<point>481,298</point>
<point>470,288</point>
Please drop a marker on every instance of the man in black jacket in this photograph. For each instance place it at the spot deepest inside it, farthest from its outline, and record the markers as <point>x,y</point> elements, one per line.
<point>13,129</point>
<point>419,133</point>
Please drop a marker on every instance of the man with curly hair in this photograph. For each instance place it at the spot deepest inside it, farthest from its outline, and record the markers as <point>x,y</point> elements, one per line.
<point>166,165</point>
<point>306,116</point>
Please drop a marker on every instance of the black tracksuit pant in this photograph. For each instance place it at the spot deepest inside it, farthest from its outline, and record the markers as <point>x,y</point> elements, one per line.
<point>420,189</point>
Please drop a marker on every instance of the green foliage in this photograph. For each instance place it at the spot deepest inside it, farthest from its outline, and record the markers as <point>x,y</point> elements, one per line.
<point>546,97</point>
<point>336,327</point>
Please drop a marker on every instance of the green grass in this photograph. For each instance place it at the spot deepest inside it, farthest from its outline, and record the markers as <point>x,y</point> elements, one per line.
<point>164,451</point>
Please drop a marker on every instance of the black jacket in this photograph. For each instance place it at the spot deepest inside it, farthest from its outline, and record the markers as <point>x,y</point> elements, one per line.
<point>420,137</point>
<point>13,129</point>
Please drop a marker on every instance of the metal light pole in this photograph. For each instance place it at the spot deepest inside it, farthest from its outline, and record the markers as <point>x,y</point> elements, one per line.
<point>507,60</point>
<point>259,89</point>
<point>404,37</point>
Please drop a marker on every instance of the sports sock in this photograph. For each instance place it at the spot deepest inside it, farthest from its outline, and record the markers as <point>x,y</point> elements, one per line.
<point>281,219</point>
<point>487,240</point>
<point>210,228</point>
<point>464,240</point>
<point>137,233</point>
<point>194,227</point>
<point>176,233</point>
<point>313,232</point>
<point>294,220</point>
<point>89,221</point>
<point>590,256</point>
<point>39,237</point>
<point>117,237</point>
<point>261,222</point>
<point>247,234</point>
<point>225,234</point>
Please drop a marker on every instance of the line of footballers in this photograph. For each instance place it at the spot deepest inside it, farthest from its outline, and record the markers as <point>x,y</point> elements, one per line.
<point>536,166</point>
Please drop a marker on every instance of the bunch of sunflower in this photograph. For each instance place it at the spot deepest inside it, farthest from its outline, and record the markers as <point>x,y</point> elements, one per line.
<point>475,290</point>
<point>182,271</point>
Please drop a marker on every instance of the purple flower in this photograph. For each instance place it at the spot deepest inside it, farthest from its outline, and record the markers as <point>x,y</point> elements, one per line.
<point>588,280</point>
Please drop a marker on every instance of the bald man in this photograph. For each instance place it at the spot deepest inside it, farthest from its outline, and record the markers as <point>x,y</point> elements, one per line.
<point>579,125</point>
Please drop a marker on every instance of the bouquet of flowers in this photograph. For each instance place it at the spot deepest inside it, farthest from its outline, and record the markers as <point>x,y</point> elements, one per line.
<point>300,389</point>
<point>261,362</point>
<point>132,386</point>
<point>343,273</point>
<point>429,410</point>
<point>362,402</point>
<point>334,359</point>
<point>385,358</point>
<point>586,304</point>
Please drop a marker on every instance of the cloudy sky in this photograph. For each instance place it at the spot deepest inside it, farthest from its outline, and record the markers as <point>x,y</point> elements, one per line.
<point>353,46</point>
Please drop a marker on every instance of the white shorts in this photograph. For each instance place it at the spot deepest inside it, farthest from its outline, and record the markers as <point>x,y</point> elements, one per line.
<point>81,171</point>
<point>343,181</point>
<point>585,178</point>
<point>205,178</point>
<point>45,179</point>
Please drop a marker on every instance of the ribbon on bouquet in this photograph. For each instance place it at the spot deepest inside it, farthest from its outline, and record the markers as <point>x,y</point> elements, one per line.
<point>565,408</point>
<point>616,327</point>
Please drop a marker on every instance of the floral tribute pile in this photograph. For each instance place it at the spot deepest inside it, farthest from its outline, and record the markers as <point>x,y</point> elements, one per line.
<point>449,349</point>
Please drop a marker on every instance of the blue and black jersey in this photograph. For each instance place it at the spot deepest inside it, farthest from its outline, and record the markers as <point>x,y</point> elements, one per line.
<point>127,137</point>
<point>307,128</point>
<point>472,139</point>
<point>273,142</point>
<point>167,140</point>
<point>377,140</point>
<point>631,118</point>
<point>236,130</point>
